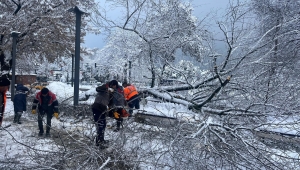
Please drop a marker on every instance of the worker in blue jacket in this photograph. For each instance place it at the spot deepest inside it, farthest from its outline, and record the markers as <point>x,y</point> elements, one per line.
<point>20,102</point>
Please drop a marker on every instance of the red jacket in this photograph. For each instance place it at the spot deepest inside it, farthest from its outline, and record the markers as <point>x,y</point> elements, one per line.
<point>52,102</point>
<point>52,97</point>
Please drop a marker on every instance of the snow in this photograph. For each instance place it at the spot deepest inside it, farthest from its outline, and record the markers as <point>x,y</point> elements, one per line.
<point>21,141</point>
<point>17,139</point>
<point>284,125</point>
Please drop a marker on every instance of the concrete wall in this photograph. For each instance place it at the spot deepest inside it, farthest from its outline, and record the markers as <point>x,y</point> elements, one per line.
<point>25,79</point>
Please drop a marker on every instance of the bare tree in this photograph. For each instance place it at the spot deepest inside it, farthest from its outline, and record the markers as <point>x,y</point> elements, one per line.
<point>163,27</point>
<point>232,105</point>
<point>235,123</point>
<point>46,28</point>
<point>281,20</point>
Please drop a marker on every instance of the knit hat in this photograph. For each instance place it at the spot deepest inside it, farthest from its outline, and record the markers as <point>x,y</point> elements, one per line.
<point>125,84</point>
<point>113,82</point>
<point>4,81</point>
<point>45,90</point>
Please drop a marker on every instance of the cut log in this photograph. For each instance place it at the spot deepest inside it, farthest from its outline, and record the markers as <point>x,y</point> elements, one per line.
<point>152,119</point>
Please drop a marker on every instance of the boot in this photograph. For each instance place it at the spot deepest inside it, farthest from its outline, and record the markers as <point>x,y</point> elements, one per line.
<point>19,117</point>
<point>99,138</point>
<point>130,113</point>
<point>100,142</point>
<point>48,131</point>
<point>103,144</point>
<point>41,133</point>
<point>48,134</point>
<point>119,123</point>
<point>15,118</point>
<point>41,128</point>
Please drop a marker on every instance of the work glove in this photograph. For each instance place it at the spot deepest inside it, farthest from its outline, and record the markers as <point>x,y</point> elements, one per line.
<point>33,111</point>
<point>110,89</point>
<point>55,115</point>
<point>116,115</point>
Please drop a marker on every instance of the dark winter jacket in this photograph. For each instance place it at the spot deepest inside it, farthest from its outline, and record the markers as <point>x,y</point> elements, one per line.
<point>118,99</point>
<point>102,97</point>
<point>20,98</point>
<point>52,102</point>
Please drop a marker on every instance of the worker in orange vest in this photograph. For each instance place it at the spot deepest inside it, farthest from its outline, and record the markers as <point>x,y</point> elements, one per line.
<point>4,86</point>
<point>131,96</point>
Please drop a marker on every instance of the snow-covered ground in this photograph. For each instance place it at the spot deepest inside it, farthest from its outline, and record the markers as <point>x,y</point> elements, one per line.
<point>20,142</point>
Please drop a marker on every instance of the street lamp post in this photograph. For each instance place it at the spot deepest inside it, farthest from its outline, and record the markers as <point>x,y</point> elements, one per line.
<point>214,56</point>
<point>78,13</point>
<point>15,35</point>
<point>96,72</point>
<point>129,76</point>
<point>36,65</point>
<point>72,79</point>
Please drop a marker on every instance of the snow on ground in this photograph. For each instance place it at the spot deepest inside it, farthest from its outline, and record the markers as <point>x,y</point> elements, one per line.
<point>283,124</point>
<point>16,140</point>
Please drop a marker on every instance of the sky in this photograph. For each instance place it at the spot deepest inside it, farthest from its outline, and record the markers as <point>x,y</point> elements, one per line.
<point>215,8</point>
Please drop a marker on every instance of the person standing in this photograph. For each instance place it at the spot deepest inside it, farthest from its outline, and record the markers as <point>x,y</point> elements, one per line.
<point>117,103</point>
<point>131,96</point>
<point>20,102</point>
<point>4,86</point>
<point>46,103</point>
<point>100,109</point>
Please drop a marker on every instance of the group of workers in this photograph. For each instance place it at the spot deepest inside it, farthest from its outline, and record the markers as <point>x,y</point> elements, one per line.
<point>45,101</point>
<point>111,100</point>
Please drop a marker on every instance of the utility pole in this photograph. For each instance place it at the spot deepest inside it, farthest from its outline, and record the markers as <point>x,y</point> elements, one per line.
<point>72,79</point>
<point>78,13</point>
<point>129,68</point>
<point>15,35</point>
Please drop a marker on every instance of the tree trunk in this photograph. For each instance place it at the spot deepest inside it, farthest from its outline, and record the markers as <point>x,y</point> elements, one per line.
<point>152,69</point>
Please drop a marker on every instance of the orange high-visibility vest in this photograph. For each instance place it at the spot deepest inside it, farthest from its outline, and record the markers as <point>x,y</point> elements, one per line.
<point>3,108</point>
<point>129,92</point>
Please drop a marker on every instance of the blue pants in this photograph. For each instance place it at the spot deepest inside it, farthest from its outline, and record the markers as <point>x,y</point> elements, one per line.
<point>41,114</point>
<point>100,121</point>
<point>134,103</point>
